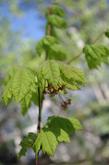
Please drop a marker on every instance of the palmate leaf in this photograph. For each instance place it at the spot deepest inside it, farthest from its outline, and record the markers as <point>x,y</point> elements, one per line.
<point>26,102</point>
<point>57,21</point>
<point>46,141</point>
<point>96,55</point>
<point>58,129</point>
<point>34,63</point>
<point>20,86</point>
<point>26,143</point>
<point>72,77</point>
<point>58,74</point>
<point>50,46</point>
<point>51,73</point>
<point>63,127</point>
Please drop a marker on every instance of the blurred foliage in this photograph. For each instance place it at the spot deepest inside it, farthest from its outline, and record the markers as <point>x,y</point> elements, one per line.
<point>86,19</point>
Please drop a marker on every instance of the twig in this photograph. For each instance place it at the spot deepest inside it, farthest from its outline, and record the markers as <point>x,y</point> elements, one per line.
<point>39,120</point>
<point>48,27</point>
<point>39,115</point>
<point>94,41</point>
<point>40,100</point>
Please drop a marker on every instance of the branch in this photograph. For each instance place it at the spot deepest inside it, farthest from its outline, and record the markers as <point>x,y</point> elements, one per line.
<point>49,26</point>
<point>40,100</point>
<point>39,119</point>
<point>93,42</point>
<point>39,115</point>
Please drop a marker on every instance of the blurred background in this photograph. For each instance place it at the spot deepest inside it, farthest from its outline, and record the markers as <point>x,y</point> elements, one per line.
<point>22,25</point>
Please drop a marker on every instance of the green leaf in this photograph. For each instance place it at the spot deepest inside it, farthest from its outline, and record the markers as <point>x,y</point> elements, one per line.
<point>27,143</point>
<point>35,62</point>
<point>51,73</point>
<point>20,86</point>
<point>63,127</point>
<point>96,55</point>
<point>44,44</point>
<point>57,74</point>
<point>50,46</point>
<point>56,10</point>
<point>76,124</point>
<point>57,52</point>
<point>56,130</point>
<point>46,141</point>
<point>57,21</point>
<point>25,103</point>
<point>6,62</point>
<point>73,77</point>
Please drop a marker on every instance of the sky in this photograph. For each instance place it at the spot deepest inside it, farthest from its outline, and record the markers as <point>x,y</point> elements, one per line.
<point>31,26</point>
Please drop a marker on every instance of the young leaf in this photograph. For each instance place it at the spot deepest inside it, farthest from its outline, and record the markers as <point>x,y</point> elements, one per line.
<point>57,21</point>
<point>21,85</point>
<point>51,73</point>
<point>35,62</point>
<point>58,74</point>
<point>57,52</point>
<point>73,77</point>
<point>96,55</point>
<point>44,44</point>
<point>27,143</point>
<point>56,10</point>
<point>52,48</point>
